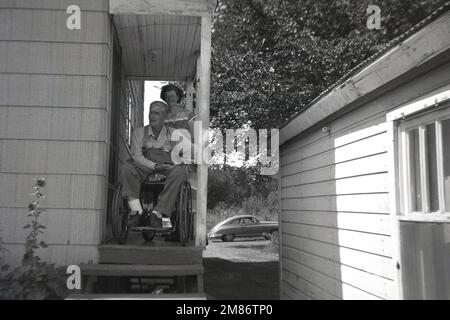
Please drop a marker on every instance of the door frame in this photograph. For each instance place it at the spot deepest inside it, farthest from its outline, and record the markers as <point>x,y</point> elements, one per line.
<point>433,99</point>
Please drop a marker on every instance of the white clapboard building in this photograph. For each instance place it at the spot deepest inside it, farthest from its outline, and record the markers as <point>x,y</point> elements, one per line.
<point>365,178</point>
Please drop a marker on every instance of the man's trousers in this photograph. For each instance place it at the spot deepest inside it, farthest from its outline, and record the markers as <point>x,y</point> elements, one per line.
<point>133,174</point>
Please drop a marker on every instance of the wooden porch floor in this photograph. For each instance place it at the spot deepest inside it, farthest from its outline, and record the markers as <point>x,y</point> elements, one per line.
<point>157,252</point>
<point>135,239</point>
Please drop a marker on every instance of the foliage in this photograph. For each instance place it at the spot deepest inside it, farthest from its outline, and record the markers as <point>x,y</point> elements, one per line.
<point>257,205</point>
<point>271,58</point>
<point>274,241</point>
<point>34,279</point>
<point>233,185</point>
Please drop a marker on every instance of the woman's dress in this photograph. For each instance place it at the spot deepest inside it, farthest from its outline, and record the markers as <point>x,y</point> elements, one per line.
<point>180,121</point>
<point>183,120</point>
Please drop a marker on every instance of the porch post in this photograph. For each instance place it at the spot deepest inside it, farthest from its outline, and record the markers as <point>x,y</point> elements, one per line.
<point>204,70</point>
<point>190,95</point>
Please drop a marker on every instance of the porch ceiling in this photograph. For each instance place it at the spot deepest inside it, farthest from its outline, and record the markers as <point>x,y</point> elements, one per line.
<point>156,47</point>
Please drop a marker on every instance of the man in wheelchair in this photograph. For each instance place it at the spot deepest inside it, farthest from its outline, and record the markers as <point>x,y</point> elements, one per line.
<point>150,149</point>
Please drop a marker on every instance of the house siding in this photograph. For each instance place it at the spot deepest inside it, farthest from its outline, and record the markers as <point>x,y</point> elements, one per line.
<point>336,228</point>
<point>54,105</point>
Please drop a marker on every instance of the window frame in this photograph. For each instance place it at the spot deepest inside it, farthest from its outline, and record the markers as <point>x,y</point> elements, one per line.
<point>421,122</point>
<point>405,120</point>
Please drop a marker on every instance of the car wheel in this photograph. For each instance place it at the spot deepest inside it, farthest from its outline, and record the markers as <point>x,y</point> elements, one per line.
<point>228,238</point>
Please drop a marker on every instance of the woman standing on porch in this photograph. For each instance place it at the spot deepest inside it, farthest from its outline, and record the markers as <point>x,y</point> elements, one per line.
<point>178,118</point>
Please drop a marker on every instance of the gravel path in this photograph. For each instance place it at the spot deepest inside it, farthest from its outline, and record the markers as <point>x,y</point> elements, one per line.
<point>242,269</point>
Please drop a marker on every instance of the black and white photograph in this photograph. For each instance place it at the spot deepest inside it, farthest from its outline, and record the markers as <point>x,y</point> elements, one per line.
<point>199,151</point>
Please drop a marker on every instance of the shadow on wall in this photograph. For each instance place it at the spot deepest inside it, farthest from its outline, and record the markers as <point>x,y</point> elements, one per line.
<point>227,280</point>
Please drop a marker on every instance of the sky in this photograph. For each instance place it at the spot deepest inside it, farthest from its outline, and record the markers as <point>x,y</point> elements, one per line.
<point>151,93</point>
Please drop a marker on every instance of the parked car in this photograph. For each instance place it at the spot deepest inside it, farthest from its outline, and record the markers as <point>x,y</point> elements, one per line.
<point>242,226</point>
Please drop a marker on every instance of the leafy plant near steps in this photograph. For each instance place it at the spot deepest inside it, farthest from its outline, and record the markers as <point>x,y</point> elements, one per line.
<point>34,279</point>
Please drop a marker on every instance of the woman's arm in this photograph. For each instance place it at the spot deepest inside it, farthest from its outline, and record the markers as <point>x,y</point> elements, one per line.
<point>136,149</point>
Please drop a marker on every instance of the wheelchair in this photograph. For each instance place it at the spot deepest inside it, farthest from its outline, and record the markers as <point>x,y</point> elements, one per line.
<point>182,219</point>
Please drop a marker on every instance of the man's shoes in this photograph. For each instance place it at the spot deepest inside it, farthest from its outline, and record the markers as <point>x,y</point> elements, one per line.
<point>137,220</point>
<point>134,220</point>
<point>163,222</point>
<point>155,222</point>
<point>166,224</point>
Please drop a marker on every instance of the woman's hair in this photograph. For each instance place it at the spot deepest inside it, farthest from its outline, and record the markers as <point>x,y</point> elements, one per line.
<point>171,87</point>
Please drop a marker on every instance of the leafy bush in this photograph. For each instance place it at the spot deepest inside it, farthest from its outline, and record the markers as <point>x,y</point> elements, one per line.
<point>253,205</point>
<point>274,242</point>
<point>33,279</point>
<point>220,188</point>
<point>234,185</point>
<point>261,207</point>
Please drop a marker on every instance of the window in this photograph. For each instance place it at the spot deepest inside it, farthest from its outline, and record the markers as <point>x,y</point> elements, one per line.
<point>425,162</point>
<point>247,221</point>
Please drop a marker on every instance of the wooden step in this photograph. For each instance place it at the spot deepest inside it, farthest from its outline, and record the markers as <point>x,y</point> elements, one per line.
<point>137,296</point>
<point>133,270</point>
<point>157,252</point>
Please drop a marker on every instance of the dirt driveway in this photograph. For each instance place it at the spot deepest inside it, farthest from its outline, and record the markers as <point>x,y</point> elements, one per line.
<point>242,269</point>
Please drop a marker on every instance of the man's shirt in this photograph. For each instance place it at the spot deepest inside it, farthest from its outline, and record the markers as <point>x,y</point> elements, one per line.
<point>139,142</point>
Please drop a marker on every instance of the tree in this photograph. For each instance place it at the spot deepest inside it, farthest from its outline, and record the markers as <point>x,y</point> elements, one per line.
<point>233,185</point>
<point>271,58</point>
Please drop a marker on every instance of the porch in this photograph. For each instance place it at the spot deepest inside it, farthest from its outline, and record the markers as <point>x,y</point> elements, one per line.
<point>155,41</point>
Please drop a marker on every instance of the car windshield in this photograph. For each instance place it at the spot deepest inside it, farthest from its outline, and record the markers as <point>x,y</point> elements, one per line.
<point>225,222</point>
<point>236,221</point>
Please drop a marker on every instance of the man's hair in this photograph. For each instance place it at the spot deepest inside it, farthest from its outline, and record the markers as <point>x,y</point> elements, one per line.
<point>160,104</point>
<point>171,87</point>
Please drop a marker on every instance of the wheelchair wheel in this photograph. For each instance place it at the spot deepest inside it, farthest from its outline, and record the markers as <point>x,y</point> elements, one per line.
<point>119,216</point>
<point>184,213</point>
